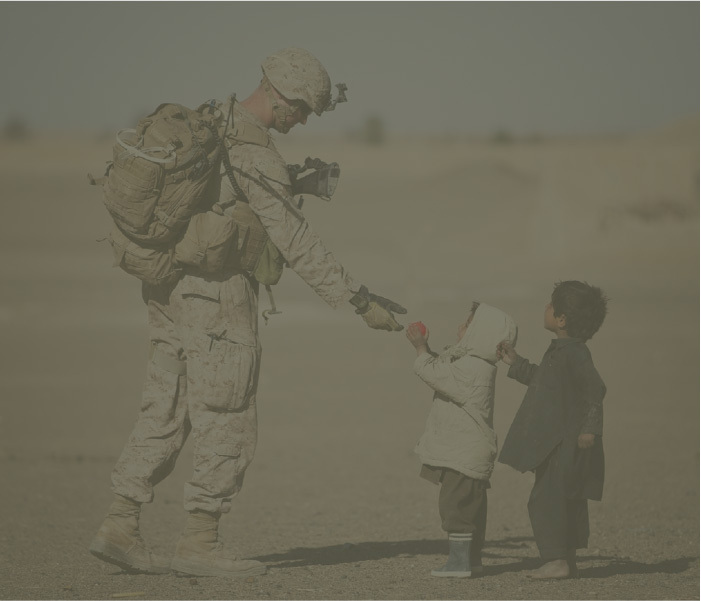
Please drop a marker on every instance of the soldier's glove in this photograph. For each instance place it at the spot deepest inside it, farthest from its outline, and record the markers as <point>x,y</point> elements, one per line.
<point>376,310</point>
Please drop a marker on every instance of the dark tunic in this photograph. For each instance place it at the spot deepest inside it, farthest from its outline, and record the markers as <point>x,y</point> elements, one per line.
<point>564,399</point>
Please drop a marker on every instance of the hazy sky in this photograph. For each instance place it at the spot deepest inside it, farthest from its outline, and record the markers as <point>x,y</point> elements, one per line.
<point>463,67</point>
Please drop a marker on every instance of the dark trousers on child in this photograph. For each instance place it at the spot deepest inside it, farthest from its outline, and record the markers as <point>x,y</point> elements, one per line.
<point>560,524</point>
<point>462,504</point>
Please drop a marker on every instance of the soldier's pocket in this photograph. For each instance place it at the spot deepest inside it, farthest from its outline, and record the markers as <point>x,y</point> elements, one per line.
<point>213,305</point>
<point>232,374</point>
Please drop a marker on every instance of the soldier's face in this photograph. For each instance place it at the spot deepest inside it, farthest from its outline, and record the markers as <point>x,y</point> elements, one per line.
<point>300,113</point>
<point>294,111</point>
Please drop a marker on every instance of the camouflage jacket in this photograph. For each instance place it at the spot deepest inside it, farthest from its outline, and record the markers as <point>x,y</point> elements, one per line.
<point>262,174</point>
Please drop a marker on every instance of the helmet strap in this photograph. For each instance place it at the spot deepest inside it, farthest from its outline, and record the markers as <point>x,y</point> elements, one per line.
<point>280,111</point>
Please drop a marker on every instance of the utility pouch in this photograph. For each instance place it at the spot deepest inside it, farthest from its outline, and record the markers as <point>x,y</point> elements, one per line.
<point>251,237</point>
<point>207,242</point>
<point>152,265</point>
<point>270,265</point>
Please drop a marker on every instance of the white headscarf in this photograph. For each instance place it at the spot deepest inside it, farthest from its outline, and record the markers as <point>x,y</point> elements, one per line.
<point>489,327</point>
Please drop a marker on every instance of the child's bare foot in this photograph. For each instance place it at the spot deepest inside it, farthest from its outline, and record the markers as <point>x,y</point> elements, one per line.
<point>558,568</point>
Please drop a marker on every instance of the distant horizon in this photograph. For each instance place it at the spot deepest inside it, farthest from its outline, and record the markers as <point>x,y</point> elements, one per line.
<point>685,124</point>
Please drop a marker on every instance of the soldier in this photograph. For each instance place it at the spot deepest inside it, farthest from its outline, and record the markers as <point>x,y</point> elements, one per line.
<point>205,351</point>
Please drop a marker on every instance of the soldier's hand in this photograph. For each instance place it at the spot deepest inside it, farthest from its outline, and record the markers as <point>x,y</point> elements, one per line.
<point>377,311</point>
<point>387,304</point>
<point>378,318</point>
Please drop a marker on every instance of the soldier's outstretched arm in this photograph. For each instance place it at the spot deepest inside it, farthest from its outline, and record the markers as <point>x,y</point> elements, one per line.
<point>267,186</point>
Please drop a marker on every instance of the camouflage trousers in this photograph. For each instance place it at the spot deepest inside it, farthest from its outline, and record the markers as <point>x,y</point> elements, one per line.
<point>202,379</point>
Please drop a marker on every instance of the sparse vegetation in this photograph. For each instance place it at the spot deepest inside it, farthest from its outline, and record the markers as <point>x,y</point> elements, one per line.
<point>501,136</point>
<point>374,131</point>
<point>650,212</point>
<point>15,128</point>
<point>660,210</point>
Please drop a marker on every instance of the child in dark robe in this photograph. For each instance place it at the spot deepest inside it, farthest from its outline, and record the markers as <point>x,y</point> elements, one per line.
<point>558,428</point>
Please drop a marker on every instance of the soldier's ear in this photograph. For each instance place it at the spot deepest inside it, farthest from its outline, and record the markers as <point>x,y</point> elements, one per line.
<point>561,321</point>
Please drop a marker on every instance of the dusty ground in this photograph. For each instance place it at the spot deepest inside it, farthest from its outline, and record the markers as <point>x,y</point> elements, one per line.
<point>332,502</point>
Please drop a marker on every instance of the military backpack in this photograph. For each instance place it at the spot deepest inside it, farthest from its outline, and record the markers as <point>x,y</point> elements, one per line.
<point>160,175</point>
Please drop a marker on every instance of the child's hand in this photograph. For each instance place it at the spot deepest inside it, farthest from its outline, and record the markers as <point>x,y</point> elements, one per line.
<point>417,338</point>
<point>585,441</point>
<point>506,352</point>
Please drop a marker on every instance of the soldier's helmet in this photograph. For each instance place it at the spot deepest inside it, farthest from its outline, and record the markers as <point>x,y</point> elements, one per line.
<point>298,75</point>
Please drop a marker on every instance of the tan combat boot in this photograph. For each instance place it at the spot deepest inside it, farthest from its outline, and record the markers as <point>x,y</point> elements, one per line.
<point>119,542</point>
<point>200,553</point>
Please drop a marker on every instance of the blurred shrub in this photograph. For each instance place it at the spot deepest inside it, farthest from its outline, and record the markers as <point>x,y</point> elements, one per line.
<point>374,131</point>
<point>661,210</point>
<point>501,136</point>
<point>15,128</point>
<point>649,212</point>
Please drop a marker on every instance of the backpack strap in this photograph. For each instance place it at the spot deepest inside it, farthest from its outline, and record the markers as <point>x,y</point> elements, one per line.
<point>225,155</point>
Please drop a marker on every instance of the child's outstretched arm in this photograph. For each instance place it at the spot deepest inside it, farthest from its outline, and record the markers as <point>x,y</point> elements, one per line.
<point>506,352</point>
<point>520,369</point>
<point>418,339</point>
<point>444,378</point>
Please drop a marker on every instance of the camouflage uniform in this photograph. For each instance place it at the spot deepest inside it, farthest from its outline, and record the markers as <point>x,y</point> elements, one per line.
<point>204,369</point>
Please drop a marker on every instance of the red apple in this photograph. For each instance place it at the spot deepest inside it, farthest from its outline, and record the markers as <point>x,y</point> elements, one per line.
<point>421,326</point>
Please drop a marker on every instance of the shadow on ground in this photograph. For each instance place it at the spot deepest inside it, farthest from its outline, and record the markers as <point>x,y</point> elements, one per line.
<point>499,549</point>
<point>617,566</point>
<point>369,551</point>
<point>351,553</point>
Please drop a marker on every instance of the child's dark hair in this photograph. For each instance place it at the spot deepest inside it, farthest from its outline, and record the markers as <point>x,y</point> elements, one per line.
<point>584,307</point>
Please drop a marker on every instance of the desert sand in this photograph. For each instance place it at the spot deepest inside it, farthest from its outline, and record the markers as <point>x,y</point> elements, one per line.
<point>332,502</point>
